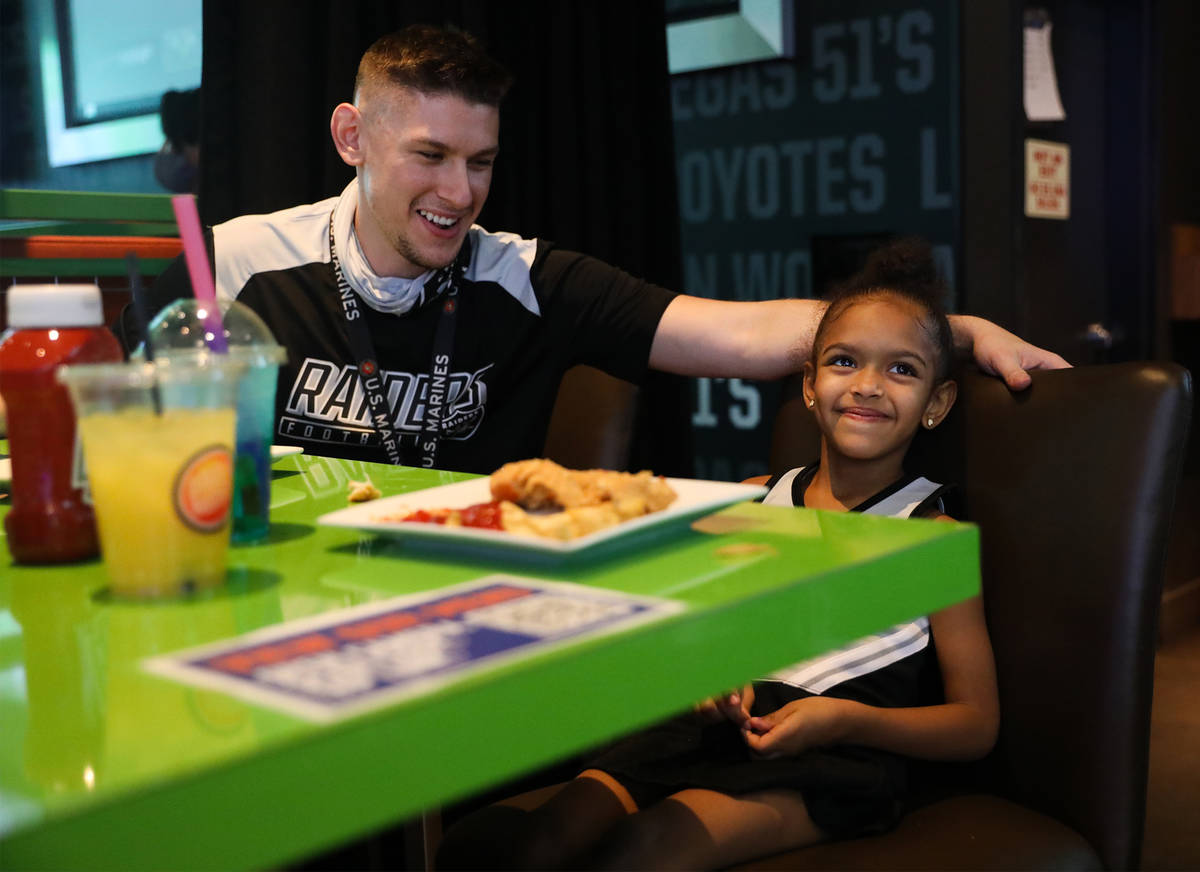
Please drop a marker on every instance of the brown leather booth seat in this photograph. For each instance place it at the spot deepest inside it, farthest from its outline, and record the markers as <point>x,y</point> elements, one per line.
<point>1072,484</point>
<point>940,835</point>
<point>592,424</point>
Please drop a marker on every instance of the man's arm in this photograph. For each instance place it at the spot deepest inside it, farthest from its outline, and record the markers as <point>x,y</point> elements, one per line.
<point>718,338</point>
<point>773,338</point>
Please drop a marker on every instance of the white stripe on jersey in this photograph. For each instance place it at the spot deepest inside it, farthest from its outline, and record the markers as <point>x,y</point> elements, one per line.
<point>902,502</point>
<point>859,658</point>
<point>870,653</point>
<point>781,494</point>
<point>507,260</point>
<point>251,244</point>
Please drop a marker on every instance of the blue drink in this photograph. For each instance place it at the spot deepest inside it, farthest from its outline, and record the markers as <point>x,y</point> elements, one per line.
<point>184,330</point>
<point>252,462</point>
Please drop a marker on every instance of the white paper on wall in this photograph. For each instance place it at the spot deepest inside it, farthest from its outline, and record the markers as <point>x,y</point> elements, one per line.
<point>1042,102</point>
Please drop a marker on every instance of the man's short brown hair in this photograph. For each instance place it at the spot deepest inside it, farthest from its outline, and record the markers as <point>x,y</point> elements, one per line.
<point>434,60</point>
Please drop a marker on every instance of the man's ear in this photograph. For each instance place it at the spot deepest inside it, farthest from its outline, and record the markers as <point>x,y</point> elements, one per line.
<point>940,403</point>
<point>346,128</point>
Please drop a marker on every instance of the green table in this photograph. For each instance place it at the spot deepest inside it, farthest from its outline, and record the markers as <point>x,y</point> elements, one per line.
<point>103,765</point>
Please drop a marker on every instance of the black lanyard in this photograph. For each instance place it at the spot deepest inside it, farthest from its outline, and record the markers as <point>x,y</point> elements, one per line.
<point>445,283</point>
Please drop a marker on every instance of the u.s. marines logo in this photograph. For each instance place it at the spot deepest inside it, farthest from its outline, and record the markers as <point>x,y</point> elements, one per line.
<point>329,402</point>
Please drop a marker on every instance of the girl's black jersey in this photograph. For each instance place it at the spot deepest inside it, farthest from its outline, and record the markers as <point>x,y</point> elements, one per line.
<point>893,667</point>
<point>848,790</point>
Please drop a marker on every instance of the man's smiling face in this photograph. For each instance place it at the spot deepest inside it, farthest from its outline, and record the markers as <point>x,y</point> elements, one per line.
<point>424,177</point>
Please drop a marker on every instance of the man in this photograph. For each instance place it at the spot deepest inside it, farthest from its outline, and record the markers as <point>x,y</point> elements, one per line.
<point>416,336</point>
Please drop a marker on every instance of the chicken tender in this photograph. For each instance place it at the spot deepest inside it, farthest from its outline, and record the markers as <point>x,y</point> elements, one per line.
<point>530,491</point>
<point>564,524</point>
<point>539,484</point>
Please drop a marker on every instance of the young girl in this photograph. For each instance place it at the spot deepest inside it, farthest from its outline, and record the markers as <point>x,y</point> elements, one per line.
<point>819,749</point>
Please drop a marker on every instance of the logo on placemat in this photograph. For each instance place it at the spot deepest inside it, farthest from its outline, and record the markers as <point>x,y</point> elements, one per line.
<point>204,489</point>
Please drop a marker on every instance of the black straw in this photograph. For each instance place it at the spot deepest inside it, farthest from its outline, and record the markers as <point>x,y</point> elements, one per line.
<point>139,312</point>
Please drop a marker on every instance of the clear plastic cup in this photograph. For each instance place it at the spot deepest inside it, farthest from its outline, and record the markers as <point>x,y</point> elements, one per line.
<point>184,329</point>
<point>158,447</point>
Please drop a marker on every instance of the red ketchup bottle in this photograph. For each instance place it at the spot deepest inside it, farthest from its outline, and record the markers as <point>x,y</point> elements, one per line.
<point>49,325</point>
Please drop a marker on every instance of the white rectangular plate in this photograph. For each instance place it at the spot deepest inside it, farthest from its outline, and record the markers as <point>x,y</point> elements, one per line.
<point>694,498</point>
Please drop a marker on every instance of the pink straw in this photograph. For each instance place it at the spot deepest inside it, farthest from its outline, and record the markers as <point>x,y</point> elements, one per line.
<point>196,255</point>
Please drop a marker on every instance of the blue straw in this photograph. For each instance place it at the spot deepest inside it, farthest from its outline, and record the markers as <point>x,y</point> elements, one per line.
<point>139,313</point>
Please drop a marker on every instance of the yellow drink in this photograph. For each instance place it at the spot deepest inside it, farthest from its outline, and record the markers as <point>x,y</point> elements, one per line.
<point>162,486</point>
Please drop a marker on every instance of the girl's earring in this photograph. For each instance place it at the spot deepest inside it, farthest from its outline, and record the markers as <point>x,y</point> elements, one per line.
<point>929,423</point>
<point>812,403</point>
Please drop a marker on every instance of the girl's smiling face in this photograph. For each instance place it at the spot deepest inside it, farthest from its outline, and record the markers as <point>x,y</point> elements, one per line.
<point>872,381</point>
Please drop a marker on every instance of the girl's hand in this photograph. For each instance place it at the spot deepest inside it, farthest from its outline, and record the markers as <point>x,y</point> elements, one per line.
<point>805,723</point>
<point>732,705</point>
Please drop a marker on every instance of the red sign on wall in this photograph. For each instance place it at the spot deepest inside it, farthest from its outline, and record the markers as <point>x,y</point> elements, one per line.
<point>1047,179</point>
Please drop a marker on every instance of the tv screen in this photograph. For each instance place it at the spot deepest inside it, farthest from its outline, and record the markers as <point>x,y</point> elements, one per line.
<point>105,66</point>
<point>119,56</point>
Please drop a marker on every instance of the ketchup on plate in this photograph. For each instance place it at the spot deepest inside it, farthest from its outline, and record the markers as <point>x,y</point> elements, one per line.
<point>484,515</point>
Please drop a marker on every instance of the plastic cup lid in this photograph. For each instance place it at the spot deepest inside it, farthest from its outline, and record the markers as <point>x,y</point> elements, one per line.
<point>186,327</point>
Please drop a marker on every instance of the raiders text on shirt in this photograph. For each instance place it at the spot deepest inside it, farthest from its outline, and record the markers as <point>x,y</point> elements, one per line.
<point>328,403</point>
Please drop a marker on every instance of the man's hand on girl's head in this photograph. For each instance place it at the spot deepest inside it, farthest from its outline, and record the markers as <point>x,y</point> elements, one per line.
<point>1000,353</point>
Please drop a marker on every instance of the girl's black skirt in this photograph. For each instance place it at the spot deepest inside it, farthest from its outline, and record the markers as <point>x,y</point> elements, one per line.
<point>848,790</point>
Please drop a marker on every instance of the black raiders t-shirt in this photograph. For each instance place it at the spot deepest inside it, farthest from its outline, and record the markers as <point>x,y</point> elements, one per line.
<point>527,312</point>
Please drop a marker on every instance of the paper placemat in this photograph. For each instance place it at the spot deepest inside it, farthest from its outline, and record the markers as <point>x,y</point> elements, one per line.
<point>345,662</point>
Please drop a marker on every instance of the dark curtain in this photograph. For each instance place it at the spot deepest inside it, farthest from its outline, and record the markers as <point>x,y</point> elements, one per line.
<point>587,156</point>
